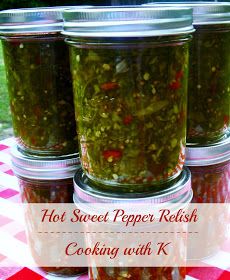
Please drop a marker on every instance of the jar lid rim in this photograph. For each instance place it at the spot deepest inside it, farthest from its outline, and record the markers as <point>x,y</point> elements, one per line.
<point>86,193</point>
<point>136,21</point>
<point>59,167</point>
<point>204,13</point>
<point>208,155</point>
<point>32,20</point>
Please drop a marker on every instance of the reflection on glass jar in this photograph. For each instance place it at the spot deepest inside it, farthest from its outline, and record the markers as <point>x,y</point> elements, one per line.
<point>45,181</point>
<point>130,97</point>
<point>39,81</point>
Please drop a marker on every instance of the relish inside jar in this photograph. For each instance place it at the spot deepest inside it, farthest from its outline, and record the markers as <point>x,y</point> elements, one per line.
<point>130,102</point>
<point>41,99</point>
<point>211,184</point>
<point>209,85</point>
<point>137,273</point>
<point>209,72</point>
<point>39,81</point>
<point>210,168</point>
<point>130,92</point>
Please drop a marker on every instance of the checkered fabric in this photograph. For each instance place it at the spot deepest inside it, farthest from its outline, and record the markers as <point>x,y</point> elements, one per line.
<point>12,232</point>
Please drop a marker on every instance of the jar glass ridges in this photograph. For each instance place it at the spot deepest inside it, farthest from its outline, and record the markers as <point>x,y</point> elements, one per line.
<point>130,93</point>
<point>39,81</point>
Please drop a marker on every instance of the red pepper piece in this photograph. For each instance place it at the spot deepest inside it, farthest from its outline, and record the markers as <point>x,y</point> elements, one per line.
<point>37,111</point>
<point>112,155</point>
<point>102,273</point>
<point>179,75</point>
<point>127,119</point>
<point>150,178</point>
<point>175,85</point>
<point>33,140</point>
<point>109,86</point>
<point>226,119</point>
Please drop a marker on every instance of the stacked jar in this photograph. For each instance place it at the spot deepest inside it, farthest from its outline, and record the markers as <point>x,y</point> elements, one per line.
<point>39,81</point>
<point>210,168</point>
<point>130,73</point>
<point>87,195</point>
<point>208,135</point>
<point>208,125</point>
<point>41,100</point>
<point>45,181</point>
<point>130,69</point>
<point>208,142</point>
<point>209,79</point>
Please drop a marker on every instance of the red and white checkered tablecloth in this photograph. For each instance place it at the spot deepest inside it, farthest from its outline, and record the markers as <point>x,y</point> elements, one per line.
<point>12,232</point>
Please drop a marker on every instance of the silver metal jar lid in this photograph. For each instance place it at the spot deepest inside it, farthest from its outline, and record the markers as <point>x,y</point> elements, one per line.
<point>179,192</point>
<point>58,168</point>
<point>208,155</point>
<point>127,21</point>
<point>32,20</point>
<point>127,2</point>
<point>204,13</point>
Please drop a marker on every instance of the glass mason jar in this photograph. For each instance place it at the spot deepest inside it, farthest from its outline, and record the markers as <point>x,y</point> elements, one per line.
<point>130,92</point>
<point>210,168</point>
<point>39,81</point>
<point>45,181</point>
<point>209,79</point>
<point>209,73</point>
<point>85,193</point>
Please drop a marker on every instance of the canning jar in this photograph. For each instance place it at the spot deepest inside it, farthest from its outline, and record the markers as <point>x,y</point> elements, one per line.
<point>209,73</point>
<point>45,181</point>
<point>39,81</point>
<point>209,79</point>
<point>85,194</point>
<point>210,168</point>
<point>129,69</point>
